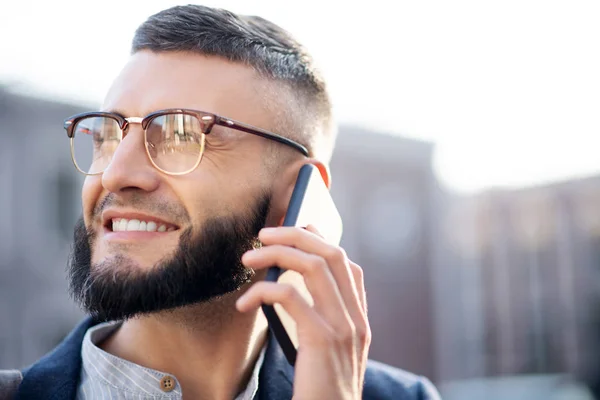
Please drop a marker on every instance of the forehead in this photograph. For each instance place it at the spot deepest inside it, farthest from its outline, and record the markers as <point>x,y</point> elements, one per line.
<point>153,81</point>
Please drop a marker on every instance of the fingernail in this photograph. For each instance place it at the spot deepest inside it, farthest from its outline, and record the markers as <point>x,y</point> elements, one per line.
<point>240,302</point>
<point>313,229</point>
<point>249,255</point>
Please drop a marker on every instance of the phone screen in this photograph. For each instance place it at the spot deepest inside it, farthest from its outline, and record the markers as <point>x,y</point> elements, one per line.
<point>310,204</point>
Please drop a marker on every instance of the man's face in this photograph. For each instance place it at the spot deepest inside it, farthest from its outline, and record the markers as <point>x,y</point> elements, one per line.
<point>205,219</point>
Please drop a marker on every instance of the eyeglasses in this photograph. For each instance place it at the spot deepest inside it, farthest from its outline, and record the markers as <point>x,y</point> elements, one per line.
<point>174,138</point>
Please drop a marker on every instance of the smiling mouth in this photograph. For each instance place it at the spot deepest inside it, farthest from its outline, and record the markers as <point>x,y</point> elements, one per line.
<point>136,225</point>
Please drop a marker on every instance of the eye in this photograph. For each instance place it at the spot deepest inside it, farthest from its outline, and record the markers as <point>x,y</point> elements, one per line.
<point>220,134</point>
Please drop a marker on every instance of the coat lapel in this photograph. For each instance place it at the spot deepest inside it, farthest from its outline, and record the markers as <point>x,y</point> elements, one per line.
<point>56,375</point>
<point>276,375</point>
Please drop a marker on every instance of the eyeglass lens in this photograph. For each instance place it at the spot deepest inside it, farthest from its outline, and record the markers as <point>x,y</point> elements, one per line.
<point>174,142</point>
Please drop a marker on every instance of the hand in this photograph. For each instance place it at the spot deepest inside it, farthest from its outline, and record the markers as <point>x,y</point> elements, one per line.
<point>333,334</point>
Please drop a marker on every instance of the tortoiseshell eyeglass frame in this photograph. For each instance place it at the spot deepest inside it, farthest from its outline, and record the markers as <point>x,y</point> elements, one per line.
<point>207,121</point>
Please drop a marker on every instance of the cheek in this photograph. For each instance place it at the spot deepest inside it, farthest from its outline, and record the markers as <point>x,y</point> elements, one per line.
<point>218,195</point>
<point>90,194</point>
<point>222,188</point>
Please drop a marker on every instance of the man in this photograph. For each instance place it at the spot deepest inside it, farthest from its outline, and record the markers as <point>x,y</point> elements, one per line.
<point>196,150</point>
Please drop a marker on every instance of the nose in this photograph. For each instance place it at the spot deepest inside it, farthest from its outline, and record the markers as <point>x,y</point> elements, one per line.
<point>130,167</point>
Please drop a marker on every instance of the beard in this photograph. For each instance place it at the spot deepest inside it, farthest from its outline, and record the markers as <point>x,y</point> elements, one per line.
<point>204,267</point>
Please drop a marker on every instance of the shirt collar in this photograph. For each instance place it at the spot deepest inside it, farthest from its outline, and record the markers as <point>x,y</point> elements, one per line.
<point>128,377</point>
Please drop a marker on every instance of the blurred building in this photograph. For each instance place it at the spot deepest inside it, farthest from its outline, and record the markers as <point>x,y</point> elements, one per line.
<point>386,193</point>
<point>39,202</point>
<point>517,274</point>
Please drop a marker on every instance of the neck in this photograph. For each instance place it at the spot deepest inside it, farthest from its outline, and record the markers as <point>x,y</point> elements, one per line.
<point>212,338</point>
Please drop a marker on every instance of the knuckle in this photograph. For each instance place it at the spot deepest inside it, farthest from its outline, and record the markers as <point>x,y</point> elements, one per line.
<point>358,271</point>
<point>368,336</point>
<point>288,292</point>
<point>346,335</point>
<point>347,338</point>
<point>336,253</point>
<point>316,264</point>
<point>363,333</point>
<point>360,332</point>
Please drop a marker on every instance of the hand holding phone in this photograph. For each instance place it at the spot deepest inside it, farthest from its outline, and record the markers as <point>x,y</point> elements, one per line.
<point>333,333</point>
<point>310,204</point>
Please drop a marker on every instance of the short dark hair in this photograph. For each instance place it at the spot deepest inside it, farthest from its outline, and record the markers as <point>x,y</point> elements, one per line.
<point>304,115</point>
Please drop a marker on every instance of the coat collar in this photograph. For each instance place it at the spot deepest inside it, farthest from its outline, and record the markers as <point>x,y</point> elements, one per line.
<point>56,375</point>
<point>276,375</point>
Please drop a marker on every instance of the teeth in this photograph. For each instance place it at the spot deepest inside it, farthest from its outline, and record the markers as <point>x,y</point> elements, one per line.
<point>135,225</point>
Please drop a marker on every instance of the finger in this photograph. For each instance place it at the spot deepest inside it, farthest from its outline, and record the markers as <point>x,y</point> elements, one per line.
<point>360,320</point>
<point>359,283</point>
<point>356,273</point>
<point>317,276</point>
<point>313,229</point>
<point>309,241</point>
<point>361,325</point>
<point>306,317</point>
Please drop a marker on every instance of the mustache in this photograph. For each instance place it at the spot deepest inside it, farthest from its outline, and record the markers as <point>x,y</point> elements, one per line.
<point>176,212</point>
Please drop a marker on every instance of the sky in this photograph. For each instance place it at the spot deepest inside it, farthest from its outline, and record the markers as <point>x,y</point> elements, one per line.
<point>508,91</point>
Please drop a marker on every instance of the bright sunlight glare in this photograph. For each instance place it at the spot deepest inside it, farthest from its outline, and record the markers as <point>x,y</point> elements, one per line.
<point>508,91</point>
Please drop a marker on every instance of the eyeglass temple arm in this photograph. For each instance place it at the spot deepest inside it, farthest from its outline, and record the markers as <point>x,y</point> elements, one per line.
<point>259,132</point>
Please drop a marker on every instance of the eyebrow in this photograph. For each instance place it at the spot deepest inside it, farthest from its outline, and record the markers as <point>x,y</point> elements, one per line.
<point>115,111</point>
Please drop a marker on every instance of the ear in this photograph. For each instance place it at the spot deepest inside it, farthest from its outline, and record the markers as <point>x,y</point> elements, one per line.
<point>285,187</point>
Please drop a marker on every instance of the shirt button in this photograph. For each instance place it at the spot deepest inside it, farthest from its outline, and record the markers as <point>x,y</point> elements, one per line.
<point>167,383</point>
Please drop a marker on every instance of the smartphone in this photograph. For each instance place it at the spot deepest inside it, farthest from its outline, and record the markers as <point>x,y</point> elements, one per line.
<point>311,204</point>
